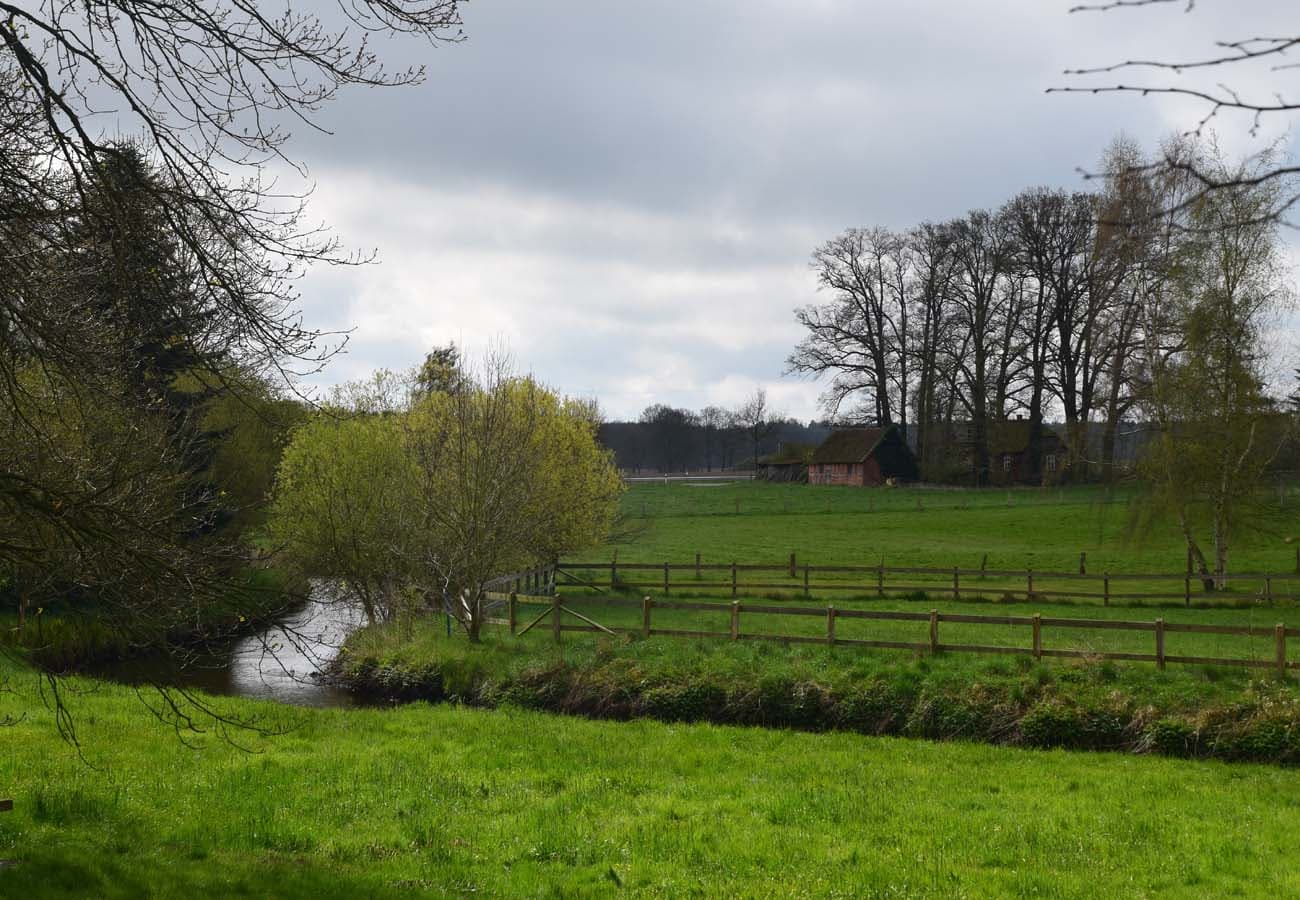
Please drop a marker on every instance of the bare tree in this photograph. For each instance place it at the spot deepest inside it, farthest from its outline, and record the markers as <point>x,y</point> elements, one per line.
<point>983,248</point>
<point>1204,81</point>
<point>712,420</point>
<point>756,420</point>
<point>859,337</point>
<point>934,270</point>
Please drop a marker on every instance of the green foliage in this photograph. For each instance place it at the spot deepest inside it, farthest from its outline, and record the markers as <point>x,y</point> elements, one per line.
<point>344,506</point>
<point>435,494</point>
<point>1218,430</point>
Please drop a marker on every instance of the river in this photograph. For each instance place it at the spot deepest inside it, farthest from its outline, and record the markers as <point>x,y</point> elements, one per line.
<point>280,663</point>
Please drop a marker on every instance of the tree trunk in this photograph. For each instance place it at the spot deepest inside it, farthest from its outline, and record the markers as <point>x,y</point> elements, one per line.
<point>1198,556</point>
<point>1220,546</point>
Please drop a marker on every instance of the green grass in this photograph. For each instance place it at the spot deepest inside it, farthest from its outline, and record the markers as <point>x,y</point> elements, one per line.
<point>452,801</point>
<point>625,614</point>
<point>1043,529</point>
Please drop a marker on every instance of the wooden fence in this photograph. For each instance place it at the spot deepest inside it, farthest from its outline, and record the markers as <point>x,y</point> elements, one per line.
<point>1027,584</point>
<point>554,609</point>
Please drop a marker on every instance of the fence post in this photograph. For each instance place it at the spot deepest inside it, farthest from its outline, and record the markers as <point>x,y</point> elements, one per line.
<point>1083,562</point>
<point>665,579</point>
<point>1187,590</point>
<point>737,506</point>
<point>880,580</point>
<point>735,620</point>
<point>697,565</point>
<point>1268,589</point>
<point>792,565</point>
<point>956,583</point>
<point>646,603</point>
<point>805,580</point>
<point>1038,636</point>
<point>1029,577</point>
<point>1279,635</point>
<point>984,565</point>
<point>1105,589</point>
<point>934,631</point>
<point>733,579</point>
<point>514,612</point>
<point>1160,643</point>
<point>830,625</point>
<point>555,617</point>
<point>613,573</point>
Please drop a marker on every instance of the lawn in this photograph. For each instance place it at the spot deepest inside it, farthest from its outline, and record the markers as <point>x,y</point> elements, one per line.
<point>447,800</point>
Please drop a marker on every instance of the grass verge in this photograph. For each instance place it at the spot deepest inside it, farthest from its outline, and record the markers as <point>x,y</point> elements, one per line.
<point>1096,705</point>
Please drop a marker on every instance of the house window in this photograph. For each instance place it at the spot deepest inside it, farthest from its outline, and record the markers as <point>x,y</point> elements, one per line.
<point>1006,462</point>
<point>1049,462</point>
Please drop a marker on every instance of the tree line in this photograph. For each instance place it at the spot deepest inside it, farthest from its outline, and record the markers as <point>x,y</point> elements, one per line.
<point>1062,304</point>
<point>1149,298</point>
<point>672,439</point>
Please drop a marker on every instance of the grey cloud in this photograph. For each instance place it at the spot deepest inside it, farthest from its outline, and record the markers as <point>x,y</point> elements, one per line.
<point>628,193</point>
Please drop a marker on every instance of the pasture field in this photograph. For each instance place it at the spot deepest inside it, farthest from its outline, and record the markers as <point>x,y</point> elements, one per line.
<point>1044,529</point>
<point>1213,709</point>
<point>446,800</point>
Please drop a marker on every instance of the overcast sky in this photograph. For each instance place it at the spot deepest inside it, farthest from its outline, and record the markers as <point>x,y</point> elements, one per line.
<point>627,194</point>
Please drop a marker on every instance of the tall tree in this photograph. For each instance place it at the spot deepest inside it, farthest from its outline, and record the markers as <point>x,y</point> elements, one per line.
<point>930,297</point>
<point>859,337</point>
<point>757,420</point>
<point>1208,397</point>
<point>983,248</point>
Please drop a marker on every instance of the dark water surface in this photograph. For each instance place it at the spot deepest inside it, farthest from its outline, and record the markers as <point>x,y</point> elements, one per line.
<point>280,663</point>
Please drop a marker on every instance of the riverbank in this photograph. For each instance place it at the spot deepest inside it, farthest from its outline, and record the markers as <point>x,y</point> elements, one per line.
<point>447,801</point>
<point>64,638</point>
<point>1086,705</point>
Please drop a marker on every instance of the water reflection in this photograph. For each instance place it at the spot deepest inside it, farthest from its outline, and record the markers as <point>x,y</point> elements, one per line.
<point>281,663</point>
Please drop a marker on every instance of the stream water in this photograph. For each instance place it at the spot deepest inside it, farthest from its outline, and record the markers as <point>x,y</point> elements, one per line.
<point>280,663</point>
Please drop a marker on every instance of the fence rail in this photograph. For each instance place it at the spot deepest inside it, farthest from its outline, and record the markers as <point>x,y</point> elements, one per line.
<point>554,608</point>
<point>956,580</point>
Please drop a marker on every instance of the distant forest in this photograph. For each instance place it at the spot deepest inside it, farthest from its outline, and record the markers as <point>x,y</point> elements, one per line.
<point>668,439</point>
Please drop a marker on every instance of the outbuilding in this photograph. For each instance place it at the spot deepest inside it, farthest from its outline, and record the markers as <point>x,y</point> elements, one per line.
<point>863,456</point>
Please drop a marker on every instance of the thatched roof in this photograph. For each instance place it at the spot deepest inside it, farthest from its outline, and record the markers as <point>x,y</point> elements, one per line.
<point>850,445</point>
<point>790,453</point>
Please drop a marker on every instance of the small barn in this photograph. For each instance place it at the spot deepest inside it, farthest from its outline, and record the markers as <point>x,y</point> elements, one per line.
<point>863,456</point>
<point>789,462</point>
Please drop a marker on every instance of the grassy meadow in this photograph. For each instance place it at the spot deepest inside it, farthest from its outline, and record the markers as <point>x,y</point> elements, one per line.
<point>446,800</point>
<point>808,792</point>
<point>1044,529</point>
<point>1211,710</point>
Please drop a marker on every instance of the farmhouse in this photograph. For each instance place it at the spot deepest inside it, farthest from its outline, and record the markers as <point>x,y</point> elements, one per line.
<point>1009,458</point>
<point>863,456</point>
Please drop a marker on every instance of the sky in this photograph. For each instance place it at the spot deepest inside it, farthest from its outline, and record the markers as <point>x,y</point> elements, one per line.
<point>627,195</point>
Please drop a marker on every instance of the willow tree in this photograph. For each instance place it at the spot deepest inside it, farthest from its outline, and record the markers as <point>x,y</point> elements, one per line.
<point>1208,394</point>
<point>509,475</point>
<point>343,508</point>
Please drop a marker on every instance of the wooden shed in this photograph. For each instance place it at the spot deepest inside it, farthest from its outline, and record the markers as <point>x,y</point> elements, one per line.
<point>788,463</point>
<point>863,456</point>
